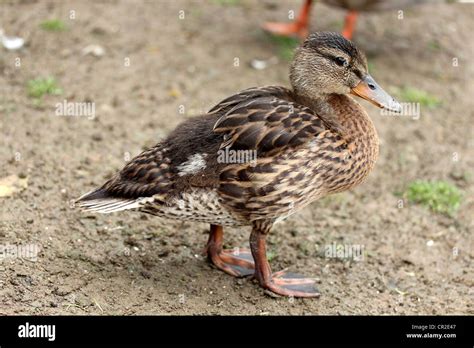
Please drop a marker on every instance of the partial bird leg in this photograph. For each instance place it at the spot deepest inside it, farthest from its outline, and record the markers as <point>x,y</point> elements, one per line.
<point>237,262</point>
<point>283,282</point>
<point>349,24</point>
<point>299,27</point>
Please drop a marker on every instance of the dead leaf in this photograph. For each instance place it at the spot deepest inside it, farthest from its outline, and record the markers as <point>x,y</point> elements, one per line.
<point>174,92</point>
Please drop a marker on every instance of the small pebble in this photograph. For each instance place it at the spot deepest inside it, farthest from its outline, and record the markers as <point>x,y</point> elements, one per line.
<point>258,64</point>
<point>94,50</point>
<point>97,137</point>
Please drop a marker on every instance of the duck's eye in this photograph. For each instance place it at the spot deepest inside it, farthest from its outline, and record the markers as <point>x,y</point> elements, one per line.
<point>341,61</point>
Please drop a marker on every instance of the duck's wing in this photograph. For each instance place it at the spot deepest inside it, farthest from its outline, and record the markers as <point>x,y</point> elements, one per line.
<point>249,94</point>
<point>269,122</point>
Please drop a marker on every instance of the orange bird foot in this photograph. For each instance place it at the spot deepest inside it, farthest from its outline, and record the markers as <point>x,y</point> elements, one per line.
<point>349,25</point>
<point>293,29</point>
<point>299,27</point>
<point>244,262</point>
<point>237,262</point>
<point>290,284</point>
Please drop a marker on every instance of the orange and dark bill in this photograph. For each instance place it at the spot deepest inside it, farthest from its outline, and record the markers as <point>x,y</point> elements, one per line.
<point>369,90</point>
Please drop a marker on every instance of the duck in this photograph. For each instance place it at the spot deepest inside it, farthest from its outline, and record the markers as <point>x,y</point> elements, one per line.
<point>299,27</point>
<point>259,156</point>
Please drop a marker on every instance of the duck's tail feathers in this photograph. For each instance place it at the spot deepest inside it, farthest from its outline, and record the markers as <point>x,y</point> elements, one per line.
<point>99,201</point>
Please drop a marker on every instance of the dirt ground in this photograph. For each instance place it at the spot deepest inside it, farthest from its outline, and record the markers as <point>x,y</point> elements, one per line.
<point>127,263</point>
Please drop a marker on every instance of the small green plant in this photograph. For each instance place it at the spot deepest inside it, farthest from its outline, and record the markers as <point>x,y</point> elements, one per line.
<point>439,196</point>
<point>271,255</point>
<point>39,87</point>
<point>434,45</point>
<point>53,25</point>
<point>414,95</point>
<point>286,46</point>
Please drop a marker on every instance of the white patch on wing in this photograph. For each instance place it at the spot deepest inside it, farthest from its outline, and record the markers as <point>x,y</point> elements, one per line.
<point>194,164</point>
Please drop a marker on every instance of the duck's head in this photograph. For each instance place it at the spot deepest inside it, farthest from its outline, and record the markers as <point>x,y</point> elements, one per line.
<point>327,63</point>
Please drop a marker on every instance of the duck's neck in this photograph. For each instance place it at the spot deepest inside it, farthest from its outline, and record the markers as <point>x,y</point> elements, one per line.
<point>341,111</point>
<point>344,115</point>
<point>323,106</point>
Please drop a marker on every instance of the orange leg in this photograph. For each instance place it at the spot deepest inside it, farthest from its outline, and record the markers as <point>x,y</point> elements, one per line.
<point>299,27</point>
<point>236,262</point>
<point>281,283</point>
<point>349,25</point>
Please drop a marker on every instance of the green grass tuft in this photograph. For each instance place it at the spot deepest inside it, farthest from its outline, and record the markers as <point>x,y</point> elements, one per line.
<point>434,45</point>
<point>53,25</point>
<point>439,196</point>
<point>414,95</point>
<point>39,87</point>
<point>271,255</point>
<point>286,46</point>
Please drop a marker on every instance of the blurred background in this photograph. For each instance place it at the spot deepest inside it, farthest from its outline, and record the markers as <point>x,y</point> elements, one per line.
<point>142,67</point>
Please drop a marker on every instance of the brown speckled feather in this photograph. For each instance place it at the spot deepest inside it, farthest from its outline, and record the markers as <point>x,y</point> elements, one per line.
<point>269,124</point>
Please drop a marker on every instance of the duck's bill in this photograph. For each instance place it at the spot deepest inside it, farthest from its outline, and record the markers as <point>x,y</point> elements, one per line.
<point>369,90</point>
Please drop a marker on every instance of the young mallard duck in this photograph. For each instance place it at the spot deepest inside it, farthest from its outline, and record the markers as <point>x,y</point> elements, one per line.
<point>259,156</point>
